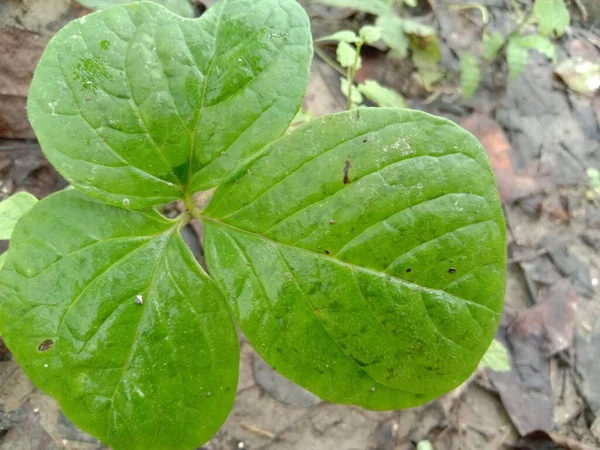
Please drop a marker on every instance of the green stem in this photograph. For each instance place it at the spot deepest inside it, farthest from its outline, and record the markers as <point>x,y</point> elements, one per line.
<point>352,73</point>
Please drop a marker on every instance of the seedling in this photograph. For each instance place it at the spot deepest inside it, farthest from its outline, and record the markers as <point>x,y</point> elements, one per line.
<point>362,254</point>
<point>552,18</point>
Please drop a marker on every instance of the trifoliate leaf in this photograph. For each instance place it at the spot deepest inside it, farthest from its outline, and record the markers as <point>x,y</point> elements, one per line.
<point>469,75</point>
<point>381,95</point>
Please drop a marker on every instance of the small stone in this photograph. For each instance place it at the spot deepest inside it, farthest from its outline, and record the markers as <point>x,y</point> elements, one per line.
<point>240,445</point>
<point>36,410</point>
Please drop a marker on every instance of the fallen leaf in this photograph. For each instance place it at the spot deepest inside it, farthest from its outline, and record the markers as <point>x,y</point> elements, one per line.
<point>580,75</point>
<point>494,141</point>
<point>568,264</point>
<point>587,364</point>
<point>542,440</point>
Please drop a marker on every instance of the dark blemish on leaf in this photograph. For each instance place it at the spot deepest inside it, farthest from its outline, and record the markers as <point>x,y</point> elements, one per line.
<point>45,345</point>
<point>451,270</point>
<point>357,115</point>
<point>409,270</point>
<point>365,140</point>
<point>104,45</point>
<point>359,362</point>
<point>327,252</point>
<point>347,166</point>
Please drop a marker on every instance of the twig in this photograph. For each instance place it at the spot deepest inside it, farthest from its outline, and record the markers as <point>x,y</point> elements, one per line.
<point>258,431</point>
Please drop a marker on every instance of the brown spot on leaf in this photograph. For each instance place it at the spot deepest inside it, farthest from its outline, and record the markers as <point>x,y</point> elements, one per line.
<point>408,270</point>
<point>365,140</point>
<point>347,166</point>
<point>357,115</point>
<point>45,345</point>
<point>327,252</point>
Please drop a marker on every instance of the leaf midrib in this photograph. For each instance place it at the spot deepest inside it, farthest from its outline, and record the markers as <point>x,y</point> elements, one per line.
<point>350,265</point>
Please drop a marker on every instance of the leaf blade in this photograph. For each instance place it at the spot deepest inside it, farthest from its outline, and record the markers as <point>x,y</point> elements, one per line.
<point>141,138</point>
<point>121,339</point>
<point>552,15</point>
<point>338,211</point>
<point>469,75</point>
<point>12,209</point>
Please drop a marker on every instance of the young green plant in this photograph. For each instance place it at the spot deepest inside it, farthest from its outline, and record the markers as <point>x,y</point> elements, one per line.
<point>552,18</point>
<point>362,254</point>
<point>349,59</point>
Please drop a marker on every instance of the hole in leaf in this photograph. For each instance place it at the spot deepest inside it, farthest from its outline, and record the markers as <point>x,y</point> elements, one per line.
<point>46,345</point>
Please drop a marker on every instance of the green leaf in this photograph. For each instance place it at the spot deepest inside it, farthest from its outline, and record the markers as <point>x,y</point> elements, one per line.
<point>2,259</point>
<point>341,36</point>
<point>469,75</point>
<point>516,52</point>
<point>376,7</point>
<point>539,43</point>
<point>370,34</point>
<point>411,3</point>
<point>369,267</point>
<point>393,35</point>
<point>356,95</point>
<point>11,211</point>
<point>107,311</point>
<point>346,55</point>
<point>416,28</point>
<point>153,107</point>
<point>426,57</point>
<point>496,357</point>
<point>552,16</point>
<point>516,57</point>
<point>181,7</point>
<point>381,95</point>
<point>492,43</point>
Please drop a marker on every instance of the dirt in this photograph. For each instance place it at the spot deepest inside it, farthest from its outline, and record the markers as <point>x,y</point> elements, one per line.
<point>540,137</point>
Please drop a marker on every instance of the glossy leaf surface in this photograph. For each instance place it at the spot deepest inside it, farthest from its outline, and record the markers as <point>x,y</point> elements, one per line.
<point>11,211</point>
<point>152,107</point>
<point>107,310</point>
<point>368,267</point>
